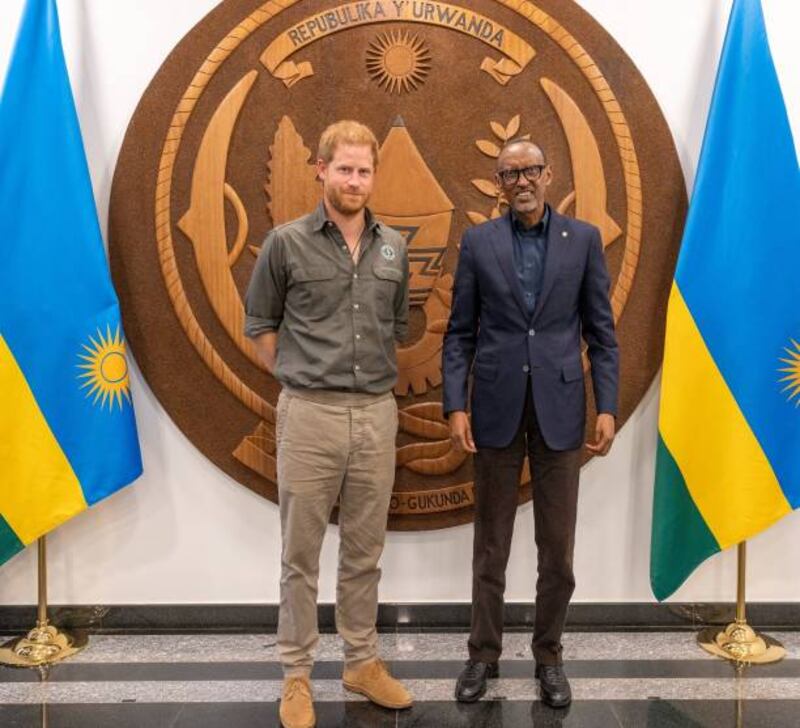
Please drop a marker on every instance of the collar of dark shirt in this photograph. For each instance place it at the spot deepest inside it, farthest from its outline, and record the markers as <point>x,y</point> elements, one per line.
<point>540,228</point>
<point>320,218</point>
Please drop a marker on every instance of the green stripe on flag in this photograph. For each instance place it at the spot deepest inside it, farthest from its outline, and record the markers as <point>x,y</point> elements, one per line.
<point>9,543</point>
<point>681,538</point>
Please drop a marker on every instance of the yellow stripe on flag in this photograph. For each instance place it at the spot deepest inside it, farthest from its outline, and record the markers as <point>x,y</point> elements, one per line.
<point>38,488</point>
<point>725,469</point>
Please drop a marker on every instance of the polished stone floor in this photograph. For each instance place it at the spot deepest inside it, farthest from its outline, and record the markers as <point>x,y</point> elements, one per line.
<point>620,680</point>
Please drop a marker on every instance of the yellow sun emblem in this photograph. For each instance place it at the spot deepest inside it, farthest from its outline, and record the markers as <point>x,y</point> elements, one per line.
<point>398,61</point>
<point>792,371</point>
<point>106,369</point>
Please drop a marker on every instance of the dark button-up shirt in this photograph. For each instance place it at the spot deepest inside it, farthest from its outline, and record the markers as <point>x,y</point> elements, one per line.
<point>337,321</point>
<point>530,249</point>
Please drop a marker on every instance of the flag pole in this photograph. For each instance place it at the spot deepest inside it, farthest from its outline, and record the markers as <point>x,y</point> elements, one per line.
<point>739,642</point>
<point>44,644</point>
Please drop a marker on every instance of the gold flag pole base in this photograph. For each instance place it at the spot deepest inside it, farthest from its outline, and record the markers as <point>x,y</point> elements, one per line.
<point>44,644</point>
<point>739,642</point>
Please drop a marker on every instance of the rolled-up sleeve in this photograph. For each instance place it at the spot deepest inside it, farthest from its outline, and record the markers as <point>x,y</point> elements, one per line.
<point>266,292</point>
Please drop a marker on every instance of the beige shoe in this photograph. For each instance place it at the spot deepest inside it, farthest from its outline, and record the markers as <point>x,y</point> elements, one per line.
<point>373,680</point>
<point>297,708</point>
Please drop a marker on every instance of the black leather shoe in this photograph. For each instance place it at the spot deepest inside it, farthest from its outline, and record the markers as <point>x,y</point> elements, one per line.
<point>471,684</point>
<point>554,686</point>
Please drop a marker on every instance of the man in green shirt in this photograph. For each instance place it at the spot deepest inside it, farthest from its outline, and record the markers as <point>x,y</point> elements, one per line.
<point>327,300</point>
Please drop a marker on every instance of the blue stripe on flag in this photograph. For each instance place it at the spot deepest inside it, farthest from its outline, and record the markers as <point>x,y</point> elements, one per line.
<point>739,260</point>
<point>55,287</point>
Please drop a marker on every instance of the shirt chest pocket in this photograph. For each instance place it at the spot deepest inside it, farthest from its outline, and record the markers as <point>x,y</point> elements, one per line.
<point>387,282</point>
<point>316,292</point>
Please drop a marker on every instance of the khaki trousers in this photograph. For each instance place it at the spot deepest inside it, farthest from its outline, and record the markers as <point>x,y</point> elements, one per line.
<point>332,445</point>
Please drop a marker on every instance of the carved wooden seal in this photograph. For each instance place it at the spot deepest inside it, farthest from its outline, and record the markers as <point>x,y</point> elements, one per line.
<point>220,151</point>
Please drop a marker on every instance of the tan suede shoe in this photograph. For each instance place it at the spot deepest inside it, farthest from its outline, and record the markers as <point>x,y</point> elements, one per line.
<point>373,680</point>
<point>297,708</point>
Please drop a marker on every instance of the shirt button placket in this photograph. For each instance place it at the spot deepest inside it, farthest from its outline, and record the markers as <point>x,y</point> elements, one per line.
<point>356,367</point>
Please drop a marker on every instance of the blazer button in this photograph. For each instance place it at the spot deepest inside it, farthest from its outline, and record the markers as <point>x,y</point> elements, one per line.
<point>531,332</point>
<point>526,369</point>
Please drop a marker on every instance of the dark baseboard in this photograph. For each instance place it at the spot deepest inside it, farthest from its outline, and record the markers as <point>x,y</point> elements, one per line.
<point>233,618</point>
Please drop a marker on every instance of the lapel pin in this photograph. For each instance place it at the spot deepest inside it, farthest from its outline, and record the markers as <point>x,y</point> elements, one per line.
<point>564,234</point>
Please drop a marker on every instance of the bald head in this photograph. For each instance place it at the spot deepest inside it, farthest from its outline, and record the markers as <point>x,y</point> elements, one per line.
<point>520,144</point>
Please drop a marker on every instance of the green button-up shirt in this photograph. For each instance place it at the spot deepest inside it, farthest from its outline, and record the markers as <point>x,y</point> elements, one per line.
<point>337,321</point>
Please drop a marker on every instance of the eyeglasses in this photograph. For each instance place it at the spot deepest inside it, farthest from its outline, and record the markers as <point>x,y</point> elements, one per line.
<point>510,177</point>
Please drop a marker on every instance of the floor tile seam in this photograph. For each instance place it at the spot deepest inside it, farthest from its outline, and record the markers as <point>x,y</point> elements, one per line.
<point>451,661</point>
<point>188,659</point>
<point>404,634</point>
<point>501,700</point>
<point>196,684</point>
<point>789,635</point>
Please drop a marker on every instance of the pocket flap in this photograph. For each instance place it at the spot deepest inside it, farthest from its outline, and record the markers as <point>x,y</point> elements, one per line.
<point>388,274</point>
<point>572,372</point>
<point>314,273</point>
<point>484,370</point>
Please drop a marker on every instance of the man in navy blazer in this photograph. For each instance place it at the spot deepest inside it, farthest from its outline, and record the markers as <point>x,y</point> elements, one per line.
<point>529,287</point>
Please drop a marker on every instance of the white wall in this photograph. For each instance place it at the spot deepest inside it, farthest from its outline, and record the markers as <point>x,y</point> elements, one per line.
<point>186,532</point>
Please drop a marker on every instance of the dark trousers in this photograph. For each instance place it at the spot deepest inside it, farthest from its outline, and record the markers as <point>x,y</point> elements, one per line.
<point>555,504</point>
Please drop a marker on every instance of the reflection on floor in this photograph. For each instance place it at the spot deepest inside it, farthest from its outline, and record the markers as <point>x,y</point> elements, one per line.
<point>653,680</point>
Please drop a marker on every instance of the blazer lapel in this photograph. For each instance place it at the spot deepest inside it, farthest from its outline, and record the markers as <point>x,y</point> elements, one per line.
<point>558,240</point>
<point>503,245</point>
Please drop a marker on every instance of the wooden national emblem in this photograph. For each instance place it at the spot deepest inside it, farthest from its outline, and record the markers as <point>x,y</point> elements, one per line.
<point>222,149</point>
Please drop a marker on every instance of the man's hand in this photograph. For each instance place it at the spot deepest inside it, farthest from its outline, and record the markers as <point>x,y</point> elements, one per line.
<point>267,349</point>
<point>461,432</point>
<point>603,435</point>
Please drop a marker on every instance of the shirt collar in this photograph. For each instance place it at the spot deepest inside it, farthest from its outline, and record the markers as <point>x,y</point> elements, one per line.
<point>540,228</point>
<point>319,218</point>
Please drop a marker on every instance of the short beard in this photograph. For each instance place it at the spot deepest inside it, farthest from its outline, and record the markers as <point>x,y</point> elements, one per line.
<point>337,203</point>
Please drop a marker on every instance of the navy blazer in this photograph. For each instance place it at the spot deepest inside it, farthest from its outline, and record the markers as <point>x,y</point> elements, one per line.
<point>491,336</point>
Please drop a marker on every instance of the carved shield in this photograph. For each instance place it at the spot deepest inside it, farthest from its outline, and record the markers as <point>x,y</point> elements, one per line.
<point>220,151</point>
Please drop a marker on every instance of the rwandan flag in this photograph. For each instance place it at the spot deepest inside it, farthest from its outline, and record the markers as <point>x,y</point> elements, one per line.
<point>67,431</point>
<point>728,463</point>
